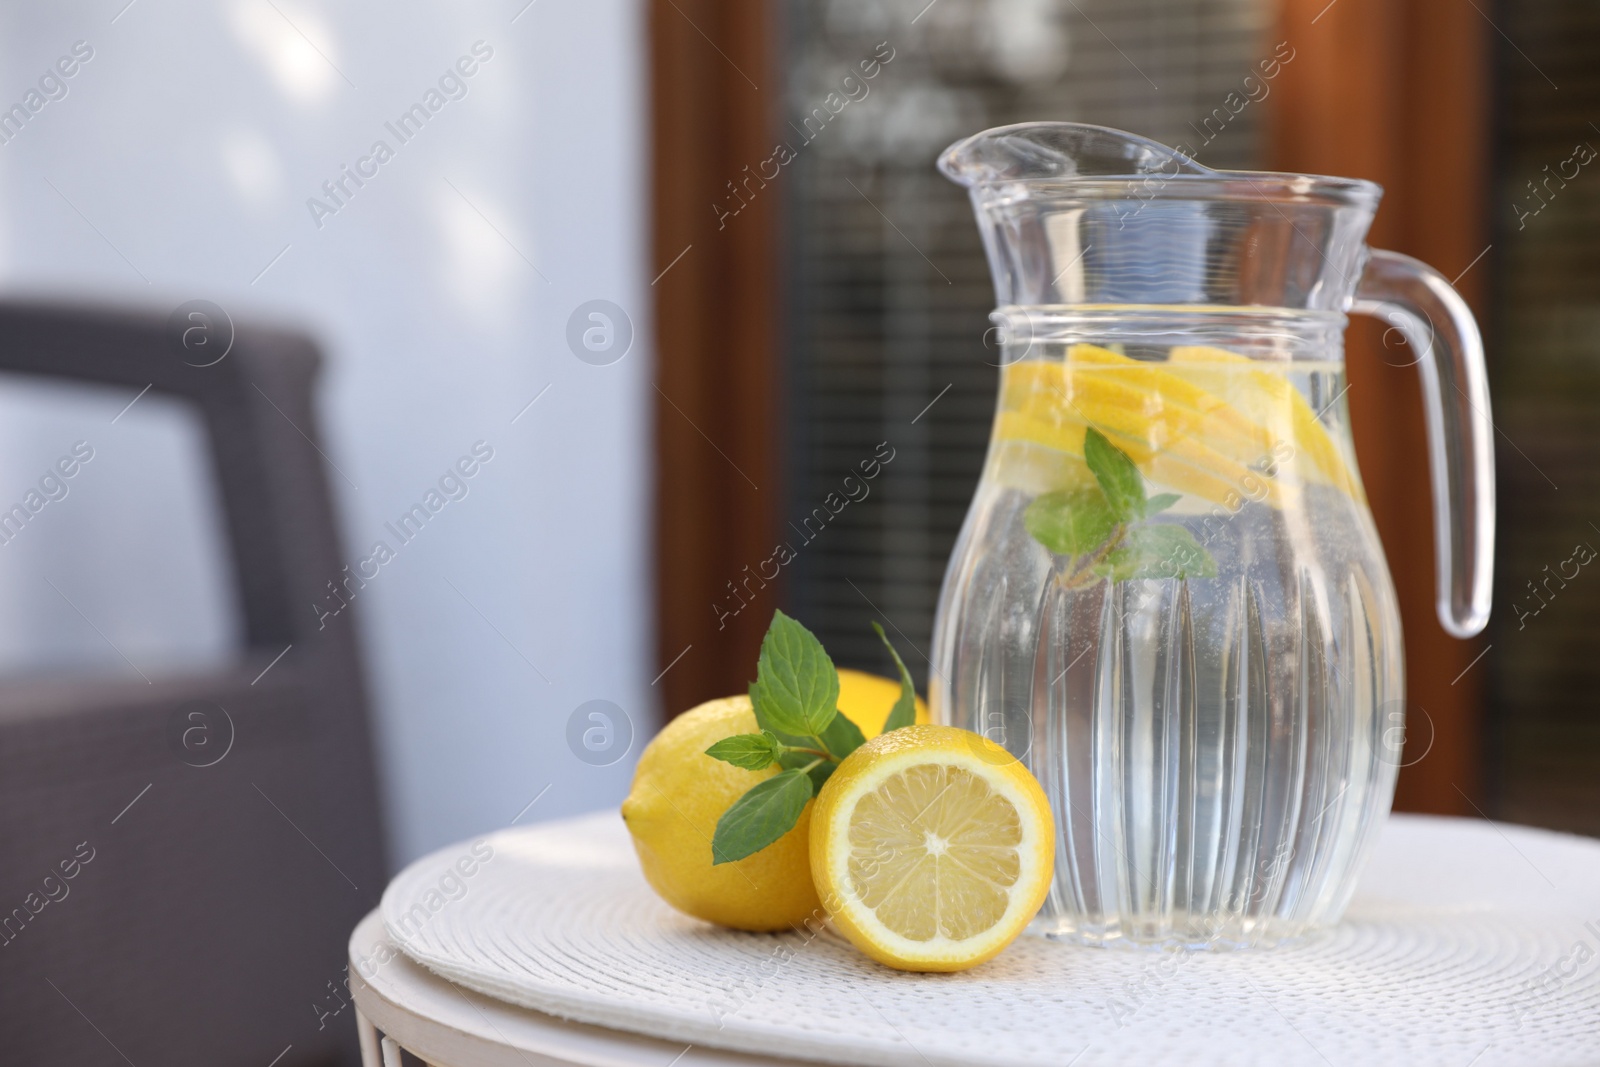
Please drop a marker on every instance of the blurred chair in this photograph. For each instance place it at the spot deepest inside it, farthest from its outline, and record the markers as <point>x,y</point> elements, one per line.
<point>181,861</point>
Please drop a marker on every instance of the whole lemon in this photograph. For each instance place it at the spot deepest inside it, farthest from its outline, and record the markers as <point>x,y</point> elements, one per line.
<point>868,698</point>
<point>679,793</point>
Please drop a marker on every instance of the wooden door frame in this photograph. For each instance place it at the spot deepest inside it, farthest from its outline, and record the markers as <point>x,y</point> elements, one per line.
<point>715,101</point>
<point>1398,91</point>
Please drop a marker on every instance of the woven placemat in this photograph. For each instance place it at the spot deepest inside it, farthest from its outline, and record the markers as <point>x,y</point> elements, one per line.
<point>1470,944</point>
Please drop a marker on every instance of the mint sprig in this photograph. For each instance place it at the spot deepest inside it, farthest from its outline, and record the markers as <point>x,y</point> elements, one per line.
<point>1159,503</point>
<point>1117,476</point>
<point>1162,550</point>
<point>753,752</point>
<point>795,698</point>
<point>904,712</point>
<point>761,816</point>
<point>1070,522</point>
<point>796,685</point>
<point>1102,529</point>
<point>842,737</point>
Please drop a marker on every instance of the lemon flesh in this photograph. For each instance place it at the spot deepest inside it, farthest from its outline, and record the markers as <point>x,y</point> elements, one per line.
<point>932,848</point>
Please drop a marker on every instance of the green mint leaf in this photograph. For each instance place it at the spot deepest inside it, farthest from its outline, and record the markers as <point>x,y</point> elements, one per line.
<point>904,712</point>
<point>1070,522</point>
<point>750,751</point>
<point>1118,477</point>
<point>820,773</point>
<point>804,760</point>
<point>764,814</point>
<point>842,736</point>
<point>1161,550</point>
<point>1159,503</point>
<point>758,704</point>
<point>796,685</point>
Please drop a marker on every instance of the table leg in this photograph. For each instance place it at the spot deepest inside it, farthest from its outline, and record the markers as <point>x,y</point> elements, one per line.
<point>368,1035</point>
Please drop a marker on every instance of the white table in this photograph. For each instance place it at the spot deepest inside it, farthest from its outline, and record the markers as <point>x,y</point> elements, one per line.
<point>1469,944</point>
<point>446,1025</point>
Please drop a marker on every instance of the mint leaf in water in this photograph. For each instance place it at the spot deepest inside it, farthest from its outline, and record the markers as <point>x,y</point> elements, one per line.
<point>761,816</point>
<point>796,690</point>
<point>750,751</point>
<point>1159,503</point>
<point>1161,550</point>
<point>1070,522</point>
<point>1118,477</point>
<point>904,712</point>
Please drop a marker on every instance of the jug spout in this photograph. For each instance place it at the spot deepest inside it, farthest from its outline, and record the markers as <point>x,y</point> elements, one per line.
<point>1074,214</point>
<point>1035,150</point>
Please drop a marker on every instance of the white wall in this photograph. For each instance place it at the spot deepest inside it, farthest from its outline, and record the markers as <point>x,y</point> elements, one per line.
<point>178,166</point>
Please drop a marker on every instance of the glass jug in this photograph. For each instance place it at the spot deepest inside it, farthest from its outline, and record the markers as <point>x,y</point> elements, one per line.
<point>1168,597</point>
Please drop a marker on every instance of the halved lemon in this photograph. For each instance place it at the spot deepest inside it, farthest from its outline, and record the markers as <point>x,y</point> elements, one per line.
<point>931,848</point>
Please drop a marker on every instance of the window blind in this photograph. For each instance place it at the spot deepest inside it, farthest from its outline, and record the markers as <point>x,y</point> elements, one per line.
<point>1545,377</point>
<point>888,292</point>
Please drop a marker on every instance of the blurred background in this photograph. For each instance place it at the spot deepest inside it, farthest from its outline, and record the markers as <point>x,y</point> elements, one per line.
<point>658,274</point>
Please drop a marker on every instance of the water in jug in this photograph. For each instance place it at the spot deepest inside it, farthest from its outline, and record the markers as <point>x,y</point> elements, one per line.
<point>1169,598</point>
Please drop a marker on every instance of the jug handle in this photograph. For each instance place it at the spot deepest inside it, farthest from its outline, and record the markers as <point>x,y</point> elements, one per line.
<point>1415,299</point>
